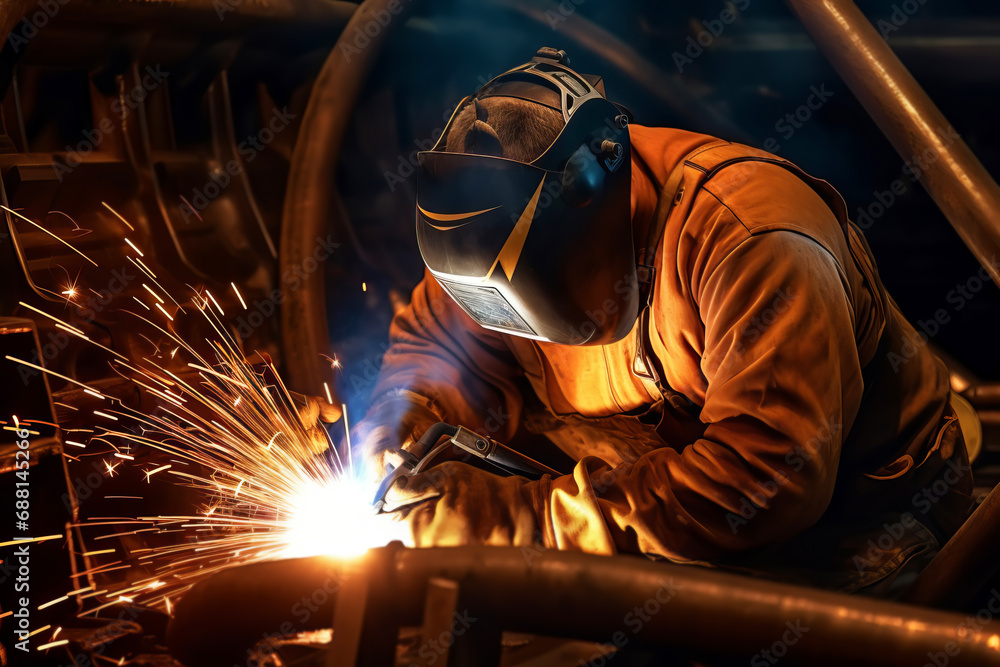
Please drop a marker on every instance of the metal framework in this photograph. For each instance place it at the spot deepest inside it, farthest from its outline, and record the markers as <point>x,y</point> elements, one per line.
<point>555,594</point>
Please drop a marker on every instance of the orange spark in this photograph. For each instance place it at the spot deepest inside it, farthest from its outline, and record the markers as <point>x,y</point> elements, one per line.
<point>61,642</point>
<point>239,296</point>
<point>138,252</point>
<point>155,295</point>
<point>118,215</point>
<point>32,222</point>
<point>164,312</point>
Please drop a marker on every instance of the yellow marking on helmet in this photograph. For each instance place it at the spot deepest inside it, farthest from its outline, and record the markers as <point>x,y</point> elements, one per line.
<point>451,217</point>
<point>510,253</point>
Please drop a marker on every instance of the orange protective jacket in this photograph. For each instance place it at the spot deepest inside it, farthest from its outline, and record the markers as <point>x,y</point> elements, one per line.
<point>795,397</point>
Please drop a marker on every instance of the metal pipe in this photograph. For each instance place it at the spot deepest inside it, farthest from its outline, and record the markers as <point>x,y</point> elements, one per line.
<point>629,64</point>
<point>141,14</point>
<point>956,180</point>
<point>312,205</point>
<point>11,13</point>
<point>222,616</point>
<point>576,595</point>
<point>431,437</point>
<point>983,394</point>
<point>965,564</point>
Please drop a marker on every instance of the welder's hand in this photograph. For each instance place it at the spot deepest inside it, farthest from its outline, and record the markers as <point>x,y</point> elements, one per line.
<point>386,429</point>
<point>455,504</point>
<point>313,412</point>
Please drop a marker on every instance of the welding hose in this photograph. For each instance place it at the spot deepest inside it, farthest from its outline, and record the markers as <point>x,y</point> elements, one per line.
<point>423,451</point>
<point>507,460</point>
<point>571,595</point>
<point>430,437</point>
<point>413,460</point>
<point>426,450</point>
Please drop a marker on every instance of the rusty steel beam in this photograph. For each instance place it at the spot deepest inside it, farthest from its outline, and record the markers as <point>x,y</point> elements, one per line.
<point>956,180</point>
<point>570,595</point>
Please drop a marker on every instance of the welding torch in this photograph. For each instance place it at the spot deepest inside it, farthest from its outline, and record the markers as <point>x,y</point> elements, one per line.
<point>421,456</point>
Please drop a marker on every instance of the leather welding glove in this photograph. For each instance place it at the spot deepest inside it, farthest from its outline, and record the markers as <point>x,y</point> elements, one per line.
<point>455,504</point>
<point>389,426</point>
<point>313,413</point>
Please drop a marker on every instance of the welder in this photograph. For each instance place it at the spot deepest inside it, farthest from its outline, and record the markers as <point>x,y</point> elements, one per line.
<point>696,323</point>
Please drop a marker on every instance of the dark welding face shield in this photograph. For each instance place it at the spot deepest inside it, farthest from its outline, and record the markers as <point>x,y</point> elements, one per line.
<point>541,249</point>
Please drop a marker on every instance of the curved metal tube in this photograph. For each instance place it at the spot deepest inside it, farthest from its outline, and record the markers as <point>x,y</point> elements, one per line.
<point>11,13</point>
<point>312,205</point>
<point>956,180</point>
<point>311,198</point>
<point>151,13</point>
<point>631,64</point>
<point>569,594</point>
<point>431,437</point>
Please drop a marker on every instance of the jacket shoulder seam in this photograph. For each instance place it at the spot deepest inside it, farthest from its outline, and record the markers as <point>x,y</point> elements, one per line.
<point>791,229</point>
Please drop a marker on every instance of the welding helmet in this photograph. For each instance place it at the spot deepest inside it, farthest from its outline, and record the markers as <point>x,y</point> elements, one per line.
<point>541,249</point>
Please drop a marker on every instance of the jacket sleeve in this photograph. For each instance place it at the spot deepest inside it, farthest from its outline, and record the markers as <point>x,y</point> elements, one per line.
<point>783,387</point>
<point>442,366</point>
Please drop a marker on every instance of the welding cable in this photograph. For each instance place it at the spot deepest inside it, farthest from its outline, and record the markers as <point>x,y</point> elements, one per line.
<point>422,448</point>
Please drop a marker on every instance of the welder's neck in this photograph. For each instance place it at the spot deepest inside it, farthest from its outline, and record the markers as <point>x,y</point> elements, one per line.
<point>644,194</point>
